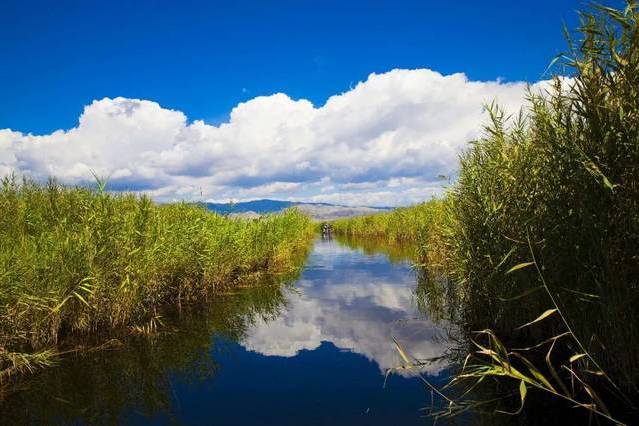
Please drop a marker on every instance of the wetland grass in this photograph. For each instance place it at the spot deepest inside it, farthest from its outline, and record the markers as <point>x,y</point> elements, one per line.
<point>78,262</point>
<point>417,227</point>
<point>545,224</point>
<point>542,229</point>
<point>407,224</point>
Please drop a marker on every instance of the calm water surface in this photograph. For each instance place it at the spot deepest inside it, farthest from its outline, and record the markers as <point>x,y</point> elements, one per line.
<point>310,352</point>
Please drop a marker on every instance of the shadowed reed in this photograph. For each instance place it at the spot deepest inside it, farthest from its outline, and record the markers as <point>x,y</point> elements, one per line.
<point>74,262</point>
<point>540,234</point>
<point>139,374</point>
<point>552,196</point>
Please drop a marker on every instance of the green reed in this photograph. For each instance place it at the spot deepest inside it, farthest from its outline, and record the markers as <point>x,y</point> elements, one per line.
<point>76,261</point>
<point>402,224</point>
<point>420,226</point>
<point>138,374</point>
<point>396,252</point>
<point>542,228</point>
<point>552,195</point>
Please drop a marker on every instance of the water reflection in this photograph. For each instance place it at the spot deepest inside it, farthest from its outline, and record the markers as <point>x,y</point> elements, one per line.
<point>369,246</point>
<point>348,300</point>
<point>311,350</point>
<point>135,378</point>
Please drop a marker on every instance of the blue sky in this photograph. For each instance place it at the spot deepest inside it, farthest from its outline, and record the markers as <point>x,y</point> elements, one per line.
<point>203,59</point>
<point>199,56</point>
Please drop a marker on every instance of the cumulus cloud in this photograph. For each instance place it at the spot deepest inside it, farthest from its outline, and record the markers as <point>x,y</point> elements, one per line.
<point>385,142</point>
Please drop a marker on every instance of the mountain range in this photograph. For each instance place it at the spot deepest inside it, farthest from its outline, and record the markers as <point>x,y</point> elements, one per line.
<point>318,211</point>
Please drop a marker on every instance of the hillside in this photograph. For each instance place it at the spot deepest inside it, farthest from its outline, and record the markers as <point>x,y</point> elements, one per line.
<point>318,211</point>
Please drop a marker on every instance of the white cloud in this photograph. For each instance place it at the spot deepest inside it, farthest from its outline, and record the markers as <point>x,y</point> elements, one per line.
<point>383,142</point>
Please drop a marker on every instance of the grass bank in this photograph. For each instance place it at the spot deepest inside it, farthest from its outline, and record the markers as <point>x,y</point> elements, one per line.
<point>540,234</point>
<point>140,374</point>
<point>79,262</point>
<point>417,227</point>
<point>396,252</point>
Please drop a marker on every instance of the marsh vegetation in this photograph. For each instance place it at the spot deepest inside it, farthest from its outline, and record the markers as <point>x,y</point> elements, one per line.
<point>268,343</point>
<point>135,374</point>
<point>78,262</point>
<point>538,239</point>
<point>531,257</point>
<point>395,252</point>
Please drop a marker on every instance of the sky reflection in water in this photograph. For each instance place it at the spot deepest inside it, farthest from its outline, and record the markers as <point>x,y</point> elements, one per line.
<point>314,353</point>
<point>355,302</point>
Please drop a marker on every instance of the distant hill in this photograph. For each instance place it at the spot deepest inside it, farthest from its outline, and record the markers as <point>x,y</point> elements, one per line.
<point>318,211</point>
<point>257,206</point>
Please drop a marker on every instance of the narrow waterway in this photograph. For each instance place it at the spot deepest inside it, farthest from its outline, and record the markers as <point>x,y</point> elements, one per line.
<point>312,351</point>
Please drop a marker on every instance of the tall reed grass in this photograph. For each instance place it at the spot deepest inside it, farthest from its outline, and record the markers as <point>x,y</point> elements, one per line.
<point>76,261</point>
<point>542,229</point>
<point>139,374</point>
<point>396,252</point>
<point>400,225</point>
<point>419,226</point>
<point>552,195</point>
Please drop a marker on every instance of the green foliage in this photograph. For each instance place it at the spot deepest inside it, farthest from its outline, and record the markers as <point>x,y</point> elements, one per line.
<point>560,184</point>
<point>555,187</point>
<point>420,226</point>
<point>76,262</point>
<point>396,252</point>
<point>400,225</point>
<point>139,373</point>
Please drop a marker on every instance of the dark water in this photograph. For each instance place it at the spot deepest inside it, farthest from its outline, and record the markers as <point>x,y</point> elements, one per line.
<point>310,352</point>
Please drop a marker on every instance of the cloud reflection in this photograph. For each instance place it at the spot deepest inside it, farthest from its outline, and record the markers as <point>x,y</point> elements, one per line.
<point>356,302</point>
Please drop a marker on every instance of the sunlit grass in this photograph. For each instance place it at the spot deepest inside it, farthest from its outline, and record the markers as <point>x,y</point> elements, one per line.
<point>75,261</point>
<point>419,227</point>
